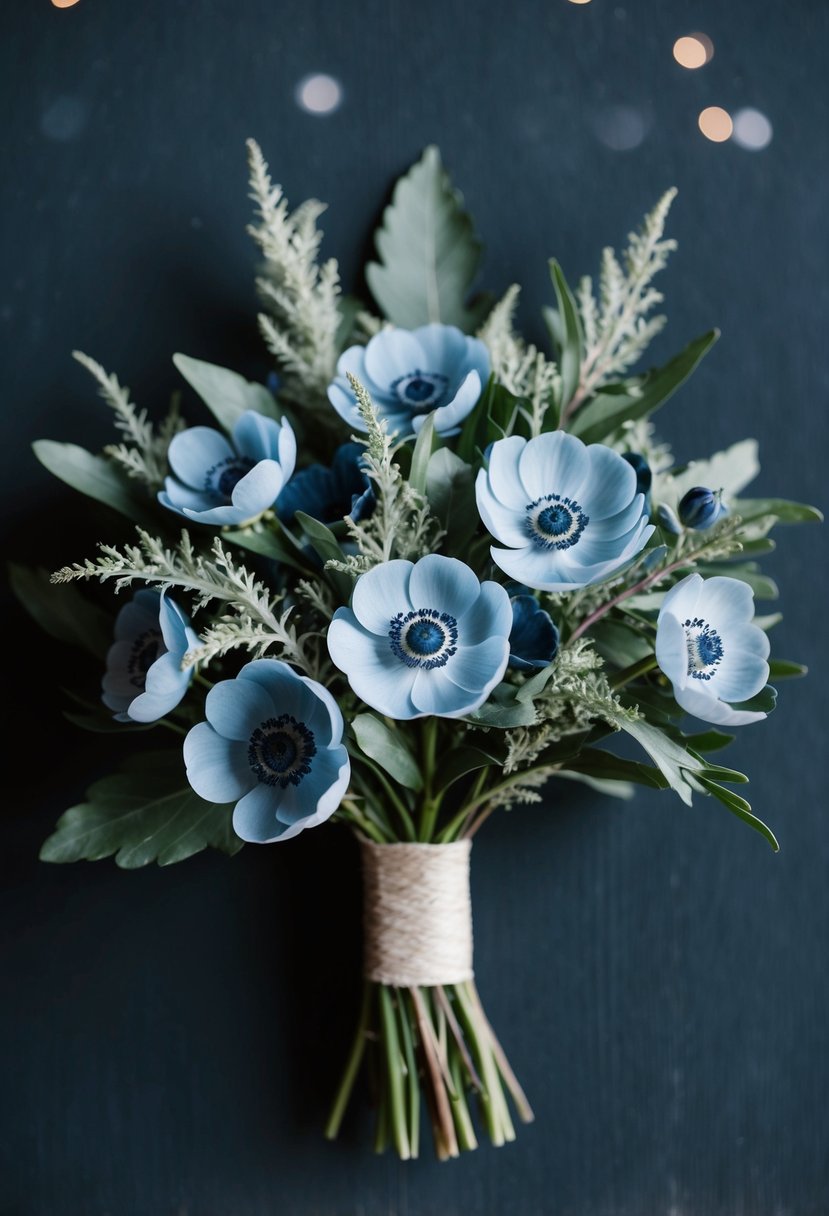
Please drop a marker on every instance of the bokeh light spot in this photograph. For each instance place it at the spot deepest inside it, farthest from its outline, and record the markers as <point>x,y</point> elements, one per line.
<point>620,128</point>
<point>752,129</point>
<point>64,3</point>
<point>319,94</point>
<point>693,51</point>
<point>715,124</point>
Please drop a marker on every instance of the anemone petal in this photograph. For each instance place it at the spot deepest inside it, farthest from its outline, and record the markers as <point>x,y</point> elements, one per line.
<point>490,615</point>
<point>610,483</point>
<point>217,768</point>
<point>553,463</point>
<point>506,524</point>
<point>444,584</point>
<point>443,348</point>
<point>503,480</point>
<point>254,816</point>
<point>381,593</point>
<point>391,354</point>
<point>672,649</point>
<point>235,708</point>
<point>192,453</point>
<point>479,668</point>
<point>726,602</point>
<point>682,599</point>
<point>258,490</point>
<point>706,706</point>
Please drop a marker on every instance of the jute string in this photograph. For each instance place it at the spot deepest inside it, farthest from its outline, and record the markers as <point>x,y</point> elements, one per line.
<point>417,914</point>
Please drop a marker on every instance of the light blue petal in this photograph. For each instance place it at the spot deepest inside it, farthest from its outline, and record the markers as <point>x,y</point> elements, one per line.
<point>393,353</point>
<point>477,358</point>
<point>193,452</point>
<point>323,715</point>
<point>448,417</point>
<point>444,584</point>
<point>506,524</point>
<point>139,615</point>
<point>443,348</point>
<point>174,623</point>
<point>610,484</point>
<point>682,599</point>
<point>554,463</point>
<point>285,688</point>
<point>353,360</point>
<point>254,816</point>
<point>256,437</point>
<point>599,572</point>
<point>235,708</point>
<point>619,524</point>
<point>504,481</point>
<point>322,790</point>
<point>217,517</point>
<point>540,569</point>
<point>286,449</point>
<point>345,403</point>
<point>740,675</point>
<point>375,674</point>
<point>434,693</point>
<point>165,687</point>
<point>708,708</point>
<point>479,668</point>
<point>672,649</point>
<point>489,616</point>
<point>180,498</point>
<point>258,490</point>
<point>726,602</point>
<point>381,593</point>
<point>217,768</point>
<point>591,550</point>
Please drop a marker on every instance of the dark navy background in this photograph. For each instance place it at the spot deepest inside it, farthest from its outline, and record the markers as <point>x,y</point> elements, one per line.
<point>659,977</point>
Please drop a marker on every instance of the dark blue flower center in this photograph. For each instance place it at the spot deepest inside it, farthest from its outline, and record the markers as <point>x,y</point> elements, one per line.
<point>420,391</point>
<point>423,638</point>
<point>554,522</point>
<point>280,751</point>
<point>146,648</point>
<point>221,479</point>
<point>705,648</point>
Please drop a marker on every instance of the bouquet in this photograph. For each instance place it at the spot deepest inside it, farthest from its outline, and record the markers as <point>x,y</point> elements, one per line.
<point>426,569</point>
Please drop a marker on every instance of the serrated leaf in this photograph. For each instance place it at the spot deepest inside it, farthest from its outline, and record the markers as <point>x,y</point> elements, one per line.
<point>429,253</point>
<point>570,343</point>
<point>617,404</point>
<point>147,812</point>
<point>63,612</point>
<point>94,476</point>
<point>387,748</point>
<point>225,393</point>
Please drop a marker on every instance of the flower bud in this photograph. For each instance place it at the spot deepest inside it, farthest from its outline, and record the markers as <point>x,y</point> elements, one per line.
<point>700,508</point>
<point>641,468</point>
<point>667,520</point>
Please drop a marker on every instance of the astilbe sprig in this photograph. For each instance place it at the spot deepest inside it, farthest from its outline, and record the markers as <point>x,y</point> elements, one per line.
<point>518,365</point>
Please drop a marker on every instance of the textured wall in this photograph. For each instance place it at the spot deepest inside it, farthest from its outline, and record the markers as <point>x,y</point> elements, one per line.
<point>659,977</point>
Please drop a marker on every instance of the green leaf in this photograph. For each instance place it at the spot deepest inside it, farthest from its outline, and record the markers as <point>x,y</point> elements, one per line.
<point>421,454</point>
<point>503,714</point>
<point>535,684</point>
<point>268,544</point>
<point>764,702</point>
<point>467,759</point>
<point>388,749</point>
<point>450,489</point>
<point>708,741</point>
<point>620,644</point>
<point>784,669</point>
<point>94,476</point>
<point>741,809</point>
<point>571,341</point>
<point>608,786</point>
<point>327,548</point>
<point>147,812</point>
<point>598,763</point>
<point>784,511</point>
<point>617,404</point>
<point>429,253</point>
<point>62,611</point>
<point>729,471</point>
<point>672,760</point>
<point>225,393</point>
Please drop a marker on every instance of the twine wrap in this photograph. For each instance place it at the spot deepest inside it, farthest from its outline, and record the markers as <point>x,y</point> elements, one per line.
<point>416,913</point>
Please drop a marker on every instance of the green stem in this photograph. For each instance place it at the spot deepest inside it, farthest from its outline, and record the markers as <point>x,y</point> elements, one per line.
<point>394,799</point>
<point>431,802</point>
<point>173,726</point>
<point>365,825</point>
<point>391,1042</point>
<point>627,674</point>
<point>352,1067</point>
<point>412,1078</point>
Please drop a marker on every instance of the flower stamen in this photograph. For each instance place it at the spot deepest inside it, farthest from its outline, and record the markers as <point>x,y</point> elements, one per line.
<point>554,522</point>
<point>705,648</point>
<point>280,751</point>
<point>424,637</point>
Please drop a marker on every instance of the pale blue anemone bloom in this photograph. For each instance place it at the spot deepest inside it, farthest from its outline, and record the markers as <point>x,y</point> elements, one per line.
<point>222,482</point>
<point>144,678</point>
<point>422,638</point>
<point>710,649</point>
<point>410,374</point>
<point>533,639</point>
<point>272,743</point>
<point>329,494</point>
<point>571,514</point>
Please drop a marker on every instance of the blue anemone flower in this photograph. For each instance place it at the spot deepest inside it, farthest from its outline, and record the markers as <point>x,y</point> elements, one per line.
<point>710,649</point>
<point>219,482</point>
<point>272,743</point>
<point>422,638</point>
<point>700,508</point>
<point>330,494</point>
<point>571,514</point>
<point>144,678</point>
<point>411,374</point>
<point>533,639</point>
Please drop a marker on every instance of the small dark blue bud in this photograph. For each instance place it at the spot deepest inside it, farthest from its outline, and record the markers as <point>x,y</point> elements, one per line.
<point>641,468</point>
<point>700,508</point>
<point>534,636</point>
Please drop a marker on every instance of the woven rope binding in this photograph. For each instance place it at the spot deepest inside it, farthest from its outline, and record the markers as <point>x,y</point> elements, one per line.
<point>417,914</point>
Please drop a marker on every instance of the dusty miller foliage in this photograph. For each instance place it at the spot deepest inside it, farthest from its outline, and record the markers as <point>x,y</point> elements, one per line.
<point>142,454</point>
<point>576,695</point>
<point>249,618</point>
<point>301,318</point>
<point>401,524</point>
<point>519,366</point>
<point>618,324</point>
